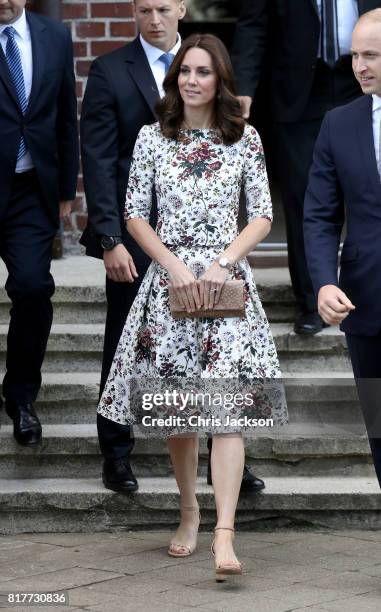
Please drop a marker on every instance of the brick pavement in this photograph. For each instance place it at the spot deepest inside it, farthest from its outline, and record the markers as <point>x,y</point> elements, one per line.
<point>284,571</point>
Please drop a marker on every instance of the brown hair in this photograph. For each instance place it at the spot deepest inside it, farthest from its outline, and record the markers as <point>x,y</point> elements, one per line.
<point>228,118</point>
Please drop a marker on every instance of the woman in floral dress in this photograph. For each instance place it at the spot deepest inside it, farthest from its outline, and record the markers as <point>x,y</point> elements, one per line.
<point>197,157</point>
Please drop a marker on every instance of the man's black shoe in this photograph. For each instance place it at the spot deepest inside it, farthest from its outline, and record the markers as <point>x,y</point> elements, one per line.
<point>249,484</point>
<point>309,323</point>
<point>26,425</point>
<point>118,476</point>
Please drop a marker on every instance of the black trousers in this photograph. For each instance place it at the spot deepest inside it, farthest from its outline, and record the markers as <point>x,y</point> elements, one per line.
<point>26,239</point>
<point>116,440</point>
<point>365,352</point>
<point>294,145</point>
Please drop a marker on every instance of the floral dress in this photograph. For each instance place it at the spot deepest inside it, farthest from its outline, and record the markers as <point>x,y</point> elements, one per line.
<point>198,181</point>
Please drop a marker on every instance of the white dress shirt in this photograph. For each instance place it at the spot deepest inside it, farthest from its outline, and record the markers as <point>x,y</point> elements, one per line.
<point>158,69</point>
<point>376,121</point>
<point>347,15</point>
<point>24,44</point>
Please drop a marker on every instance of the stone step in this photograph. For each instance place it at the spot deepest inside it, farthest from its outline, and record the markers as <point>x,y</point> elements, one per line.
<point>82,299</point>
<point>78,347</point>
<point>72,398</point>
<point>84,505</point>
<point>67,451</point>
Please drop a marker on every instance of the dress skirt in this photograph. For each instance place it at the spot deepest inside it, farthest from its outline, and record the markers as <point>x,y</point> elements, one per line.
<point>217,359</point>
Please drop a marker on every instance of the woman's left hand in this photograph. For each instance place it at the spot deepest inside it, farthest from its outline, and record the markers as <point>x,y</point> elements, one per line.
<point>211,283</point>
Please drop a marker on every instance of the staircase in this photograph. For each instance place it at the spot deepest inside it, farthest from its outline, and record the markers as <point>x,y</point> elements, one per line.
<point>318,469</point>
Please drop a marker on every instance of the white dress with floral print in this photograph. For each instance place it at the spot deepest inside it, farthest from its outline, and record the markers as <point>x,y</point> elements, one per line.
<point>198,182</point>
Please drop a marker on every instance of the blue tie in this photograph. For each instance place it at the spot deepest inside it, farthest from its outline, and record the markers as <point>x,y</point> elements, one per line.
<point>167,59</point>
<point>12,54</point>
<point>329,32</point>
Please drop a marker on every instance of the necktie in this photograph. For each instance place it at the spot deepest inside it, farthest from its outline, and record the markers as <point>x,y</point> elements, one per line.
<point>167,59</point>
<point>330,51</point>
<point>13,57</point>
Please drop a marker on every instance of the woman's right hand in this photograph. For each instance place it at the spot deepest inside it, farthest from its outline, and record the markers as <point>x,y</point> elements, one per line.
<point>185,285</point>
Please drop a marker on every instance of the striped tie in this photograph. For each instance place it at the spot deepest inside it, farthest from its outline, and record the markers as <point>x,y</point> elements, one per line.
<point>167,59</point>
<point>330,50</point>
<point>12,54</point>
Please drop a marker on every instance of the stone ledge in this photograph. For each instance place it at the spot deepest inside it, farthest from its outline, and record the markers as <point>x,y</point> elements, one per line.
<point>84,505</point>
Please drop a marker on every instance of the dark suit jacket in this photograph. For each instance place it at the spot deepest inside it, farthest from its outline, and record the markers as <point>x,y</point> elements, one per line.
<point>293,48</point>
<point>345,167</point>
<point>120,97</point>
<point>50,122</point>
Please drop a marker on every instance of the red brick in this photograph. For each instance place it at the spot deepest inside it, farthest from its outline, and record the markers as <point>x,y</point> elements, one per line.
<point>79,89</point>
<point>80,49</point>
<point>112,9</point>
<point>67,224</point>
<point>80,188</point>
<point>123,28</point>
<point>82,67</point>
<point>100,48</point>
<point>73,11</point>
<point>90,29</point>
<point>81,221</point>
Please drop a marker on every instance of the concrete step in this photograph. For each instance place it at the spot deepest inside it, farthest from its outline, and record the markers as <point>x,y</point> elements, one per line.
<point>78,347</point>
<point>67,451</point>
<point>80,297</point>
<point>72,398</point>
<point>84,505</point>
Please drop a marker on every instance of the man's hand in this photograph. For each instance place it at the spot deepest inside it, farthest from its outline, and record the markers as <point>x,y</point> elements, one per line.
<point>333,305</point>
<point>245,102</point>
<point>119,265</point>
<point>65,208</point>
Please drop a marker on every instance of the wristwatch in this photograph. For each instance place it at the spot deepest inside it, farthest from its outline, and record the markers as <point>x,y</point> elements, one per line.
<point>224,262</point>
<point>109,242</point>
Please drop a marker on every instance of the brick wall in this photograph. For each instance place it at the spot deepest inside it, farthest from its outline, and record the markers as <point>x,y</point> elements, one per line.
<point>96,27</point>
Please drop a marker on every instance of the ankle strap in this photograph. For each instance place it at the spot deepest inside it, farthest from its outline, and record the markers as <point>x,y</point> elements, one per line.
<point>227,528</point>
<point>190,508</point>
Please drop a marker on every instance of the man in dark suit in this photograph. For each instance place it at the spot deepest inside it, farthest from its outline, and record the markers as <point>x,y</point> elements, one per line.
<point>120,97</point>
<point>309,59</point>
<point>347,166</point>
<point>38,175</point>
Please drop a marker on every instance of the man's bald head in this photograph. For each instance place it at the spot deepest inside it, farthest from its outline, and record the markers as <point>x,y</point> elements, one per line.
<point>366,52</point>
<point>371,16</point>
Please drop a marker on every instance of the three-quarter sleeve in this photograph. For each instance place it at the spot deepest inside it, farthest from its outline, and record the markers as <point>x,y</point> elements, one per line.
<point>141,177</point>
<point>255,181</point>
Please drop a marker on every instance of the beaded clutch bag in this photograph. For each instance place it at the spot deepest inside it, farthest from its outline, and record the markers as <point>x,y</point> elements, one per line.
<point>230,304</point>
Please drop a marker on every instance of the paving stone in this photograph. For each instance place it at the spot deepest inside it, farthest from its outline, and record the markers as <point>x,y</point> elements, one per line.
<point>60,580</point>
<point>89,597</point>
<point>345,561</point>
<point>300,595</point>
<point>367,602</point>
<point>255,603</point>
<point>348,583</point>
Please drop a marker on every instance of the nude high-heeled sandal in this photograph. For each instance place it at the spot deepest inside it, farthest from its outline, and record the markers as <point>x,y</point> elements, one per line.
<point>226,568</point>
<point>176,549</point>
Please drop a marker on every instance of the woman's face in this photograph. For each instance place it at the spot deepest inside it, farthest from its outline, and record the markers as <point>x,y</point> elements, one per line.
<point>197,79</point>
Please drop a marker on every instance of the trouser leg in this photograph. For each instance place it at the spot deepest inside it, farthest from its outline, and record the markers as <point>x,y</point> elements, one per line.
<point>26,239</point>
<point>365,353</point>
<point>294,149</point>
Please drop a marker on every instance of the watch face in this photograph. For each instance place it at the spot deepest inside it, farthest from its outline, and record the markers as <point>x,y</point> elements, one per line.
<point>107,242</point>
<point>223,262</point>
